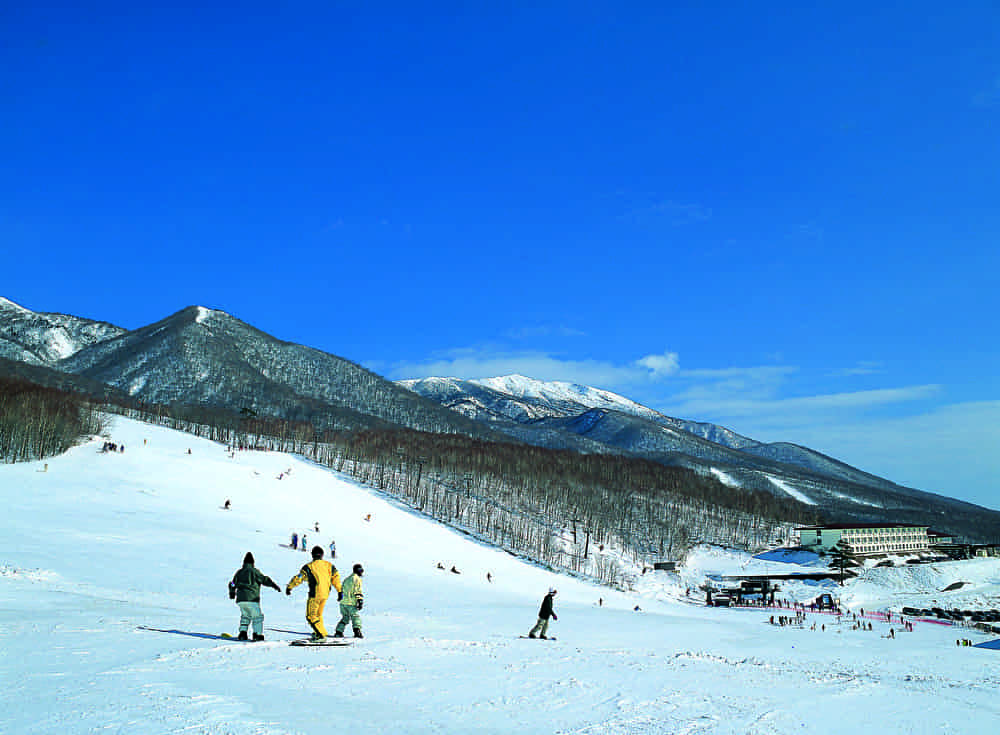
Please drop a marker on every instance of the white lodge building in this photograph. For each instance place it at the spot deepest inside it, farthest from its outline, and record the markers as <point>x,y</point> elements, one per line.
<point>866,538</point>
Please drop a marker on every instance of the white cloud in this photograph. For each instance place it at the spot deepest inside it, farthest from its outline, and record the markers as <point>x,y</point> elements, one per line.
<point>469,363</point>
<point>490,361</point>
<point>661,365</point>
<point>903,433</point>
<point>720,403</point>
<point>948,449</point>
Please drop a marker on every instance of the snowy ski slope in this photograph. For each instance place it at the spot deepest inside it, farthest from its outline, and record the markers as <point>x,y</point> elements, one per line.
<point>100,544</point>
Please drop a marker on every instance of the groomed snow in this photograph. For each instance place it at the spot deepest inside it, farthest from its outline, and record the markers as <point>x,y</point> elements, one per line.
<point>797,494</point>
<point>725,479</point>
<point>102,543</point>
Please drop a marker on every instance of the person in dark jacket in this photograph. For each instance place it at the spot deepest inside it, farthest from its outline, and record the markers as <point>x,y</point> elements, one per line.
<point>544,613</point>
<point>245,589</point>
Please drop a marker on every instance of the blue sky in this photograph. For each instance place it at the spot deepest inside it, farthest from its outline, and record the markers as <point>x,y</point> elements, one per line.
<point>785,223</point>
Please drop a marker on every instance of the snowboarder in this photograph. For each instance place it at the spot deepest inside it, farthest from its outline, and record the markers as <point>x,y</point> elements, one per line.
<point>333,549</point>
<point>322,577</point>
<point>352,599</point>
<point>303,542</point>
<point>226,504</point>
<point>295,541</point>
<point>544,613</point>
<point>453,570</point>
<point>244,587</point>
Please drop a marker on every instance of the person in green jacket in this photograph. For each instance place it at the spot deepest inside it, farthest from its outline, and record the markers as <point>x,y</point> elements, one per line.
<point>245,589</point>
<point>351,600</point>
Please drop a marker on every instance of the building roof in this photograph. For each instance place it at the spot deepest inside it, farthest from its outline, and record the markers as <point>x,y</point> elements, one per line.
<point>845,526</point>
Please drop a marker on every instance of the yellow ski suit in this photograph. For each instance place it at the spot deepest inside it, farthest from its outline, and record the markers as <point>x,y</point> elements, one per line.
<point>322,577</point>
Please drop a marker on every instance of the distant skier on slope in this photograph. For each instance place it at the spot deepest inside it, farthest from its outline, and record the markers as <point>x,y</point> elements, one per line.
<point>544,613</point>
<point>352,599</point>
<point>245,589</point>
<point>322,577</point>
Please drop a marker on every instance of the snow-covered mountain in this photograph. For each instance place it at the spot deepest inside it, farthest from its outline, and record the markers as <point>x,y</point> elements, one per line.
<point>524,399</point>
<point>545,413</point>
<point>202,357</point>
<point>206,357</point>
<point>101,543</point>
<point>45,339</point>
<point>610,419</point>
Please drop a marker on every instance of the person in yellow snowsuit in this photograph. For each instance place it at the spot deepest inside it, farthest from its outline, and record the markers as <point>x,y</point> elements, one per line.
<point>322,576</point>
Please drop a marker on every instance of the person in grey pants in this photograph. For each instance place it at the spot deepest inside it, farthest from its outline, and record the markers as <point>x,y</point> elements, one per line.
<point>352,598</point>
<point>245,589</point>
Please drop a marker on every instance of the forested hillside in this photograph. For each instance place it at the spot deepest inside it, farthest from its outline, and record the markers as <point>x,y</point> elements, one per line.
<point>38,422</point>
<point>556,507</point>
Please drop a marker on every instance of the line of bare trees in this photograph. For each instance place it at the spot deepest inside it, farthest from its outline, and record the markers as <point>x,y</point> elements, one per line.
<point>38,422</point>
<point>556,507</point>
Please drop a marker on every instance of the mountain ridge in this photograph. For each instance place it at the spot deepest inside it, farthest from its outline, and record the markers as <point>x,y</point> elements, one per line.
<point>207,357</point>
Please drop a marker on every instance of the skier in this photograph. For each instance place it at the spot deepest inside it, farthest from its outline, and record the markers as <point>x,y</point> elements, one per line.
<point>351,600</point>
<point>303,542</point>
<point>295,541</point>
<point>544,613</point>
<point>333,549</point>
<point>322,577</point>
<point>244,587</point>
<point>227,504</point>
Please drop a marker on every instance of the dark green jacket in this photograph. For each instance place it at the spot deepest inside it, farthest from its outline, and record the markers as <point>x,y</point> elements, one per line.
<point>247,582</point>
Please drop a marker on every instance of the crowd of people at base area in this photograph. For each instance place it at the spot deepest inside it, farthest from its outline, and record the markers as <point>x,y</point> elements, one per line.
<point>113,447</point>
<point>323,580</point>
<point>783,620</point>
<point>799,620</point>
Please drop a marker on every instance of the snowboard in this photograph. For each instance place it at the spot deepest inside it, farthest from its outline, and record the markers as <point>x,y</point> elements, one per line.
<point>334,642</point>
<point>536,638</point>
